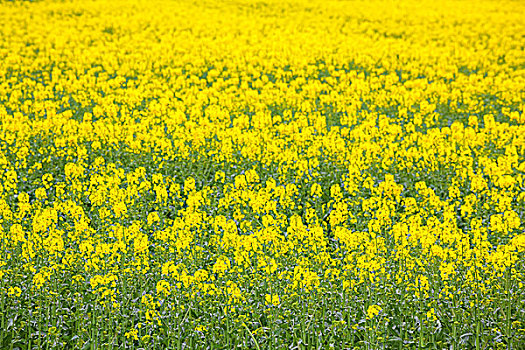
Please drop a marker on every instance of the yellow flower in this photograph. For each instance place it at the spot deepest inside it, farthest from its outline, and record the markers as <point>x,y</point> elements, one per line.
<point>272,299</point>
<point>431,314</point>
<point>163,288</point>
<point>153,217</point>
<point>132,334</point>
<point>221,265</point>
<point>316,190</point>
<point>220,176</point>
<point>14,291</point>
<point>189,185</point>
<point>200,328</point>
<point>373,311</point>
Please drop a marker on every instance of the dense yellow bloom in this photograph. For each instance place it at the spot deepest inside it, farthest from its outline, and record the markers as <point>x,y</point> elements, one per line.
<point>221,265</point>
<point>373,311</point>
<point>192,167</point>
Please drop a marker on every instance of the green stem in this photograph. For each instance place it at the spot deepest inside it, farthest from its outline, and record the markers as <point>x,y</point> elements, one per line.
<point>508,309</point>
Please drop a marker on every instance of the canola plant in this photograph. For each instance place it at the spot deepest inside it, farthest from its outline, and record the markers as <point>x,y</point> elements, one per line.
<point>262,174</point>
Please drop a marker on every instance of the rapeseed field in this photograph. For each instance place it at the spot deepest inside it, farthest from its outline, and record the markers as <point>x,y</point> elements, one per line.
<point>262,174</point>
